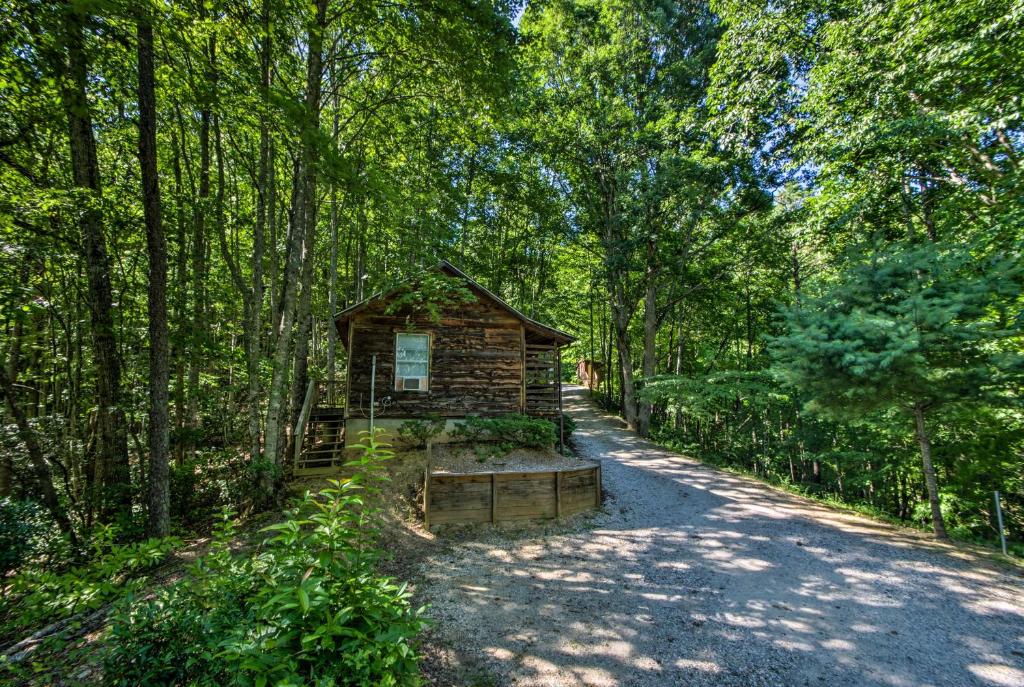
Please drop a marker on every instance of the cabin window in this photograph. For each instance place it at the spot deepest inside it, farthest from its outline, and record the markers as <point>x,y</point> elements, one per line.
<point>412,362</point>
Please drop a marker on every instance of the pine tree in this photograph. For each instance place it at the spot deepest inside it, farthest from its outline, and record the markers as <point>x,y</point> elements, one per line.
<point>913,329</point>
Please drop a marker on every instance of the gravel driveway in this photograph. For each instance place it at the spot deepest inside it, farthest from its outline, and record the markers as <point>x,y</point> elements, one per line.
<point>694,576</point>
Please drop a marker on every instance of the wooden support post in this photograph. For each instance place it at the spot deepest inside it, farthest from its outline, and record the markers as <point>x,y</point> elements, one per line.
<point>522,362</point>
<point>426,498</point>
<point>558,379</point>
<point>558,493</point>
<point>494,499</point>
<point>999,518</point>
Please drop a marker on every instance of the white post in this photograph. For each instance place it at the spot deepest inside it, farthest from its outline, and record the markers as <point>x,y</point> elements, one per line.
<point>999,519</point>
<point>373,382</point>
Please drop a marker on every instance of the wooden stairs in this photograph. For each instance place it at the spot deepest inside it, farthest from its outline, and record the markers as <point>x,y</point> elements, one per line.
<point>322,424</point>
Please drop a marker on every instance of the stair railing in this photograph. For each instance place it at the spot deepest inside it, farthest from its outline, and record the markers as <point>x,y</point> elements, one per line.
<point>300,426</point>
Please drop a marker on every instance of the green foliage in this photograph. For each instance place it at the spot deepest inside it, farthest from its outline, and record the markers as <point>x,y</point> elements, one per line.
<point>431,294</point>
<point>419,432</point>
<point>306,608</point>
<point>568,426</point>
<point>512,430</point>
<point>41,595</point>
<point>901,327</point>
<point>26,534</point>
<point>747,422</point>
<point>202,486</point>
<point>704,397</point>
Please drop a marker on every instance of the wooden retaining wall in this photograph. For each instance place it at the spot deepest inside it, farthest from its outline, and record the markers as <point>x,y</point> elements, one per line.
<point>503,496</point>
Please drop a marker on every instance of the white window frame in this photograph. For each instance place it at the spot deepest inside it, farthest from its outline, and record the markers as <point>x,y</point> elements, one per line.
<point>423,383</point>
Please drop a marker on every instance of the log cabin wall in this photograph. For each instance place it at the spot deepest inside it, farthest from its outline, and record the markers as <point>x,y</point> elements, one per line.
<point>476,362</point>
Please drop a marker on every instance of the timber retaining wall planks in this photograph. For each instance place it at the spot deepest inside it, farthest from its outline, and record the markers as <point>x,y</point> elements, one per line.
<point>503,496</point>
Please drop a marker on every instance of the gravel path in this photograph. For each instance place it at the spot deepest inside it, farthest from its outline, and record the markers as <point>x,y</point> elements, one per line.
<point>694,576</point>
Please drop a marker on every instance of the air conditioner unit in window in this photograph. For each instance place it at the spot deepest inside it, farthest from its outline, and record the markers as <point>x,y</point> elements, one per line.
<point>412,383</point>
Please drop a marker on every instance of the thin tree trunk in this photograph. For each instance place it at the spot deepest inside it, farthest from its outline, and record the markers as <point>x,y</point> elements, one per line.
<point>158,524</point>
<point>332,276</point>
<point>198,335</point>
<point>13,362</point>
<point>181,303</point>
<point>305,219</point>
<point>308,208</point>
<point>200,330</point>
<point>938,525</point>
<point>300,368</point>
<point>264,210</point>
<point>628,389</point>
<point>650,348</point>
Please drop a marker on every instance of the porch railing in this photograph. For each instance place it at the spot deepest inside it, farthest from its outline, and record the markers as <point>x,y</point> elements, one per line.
<point>331,393</point>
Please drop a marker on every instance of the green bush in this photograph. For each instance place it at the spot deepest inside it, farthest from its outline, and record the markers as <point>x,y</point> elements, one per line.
<point>568,426</point>
<point>517,430</point>
<point>308,608</point>
<point>27,532</point>
<point>39,596</point>
<point>203,486</point>
<point>419,432</point>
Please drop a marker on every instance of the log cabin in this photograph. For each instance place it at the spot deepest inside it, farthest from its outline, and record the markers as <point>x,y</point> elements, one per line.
<point>470,354</point>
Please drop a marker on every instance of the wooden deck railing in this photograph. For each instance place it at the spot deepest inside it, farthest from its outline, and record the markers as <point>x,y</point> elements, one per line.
<point>331,393</point>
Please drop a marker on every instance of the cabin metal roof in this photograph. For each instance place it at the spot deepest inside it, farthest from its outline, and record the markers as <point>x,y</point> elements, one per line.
<point>544,330</point>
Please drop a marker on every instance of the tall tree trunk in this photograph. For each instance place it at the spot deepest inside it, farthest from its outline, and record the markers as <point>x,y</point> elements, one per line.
<point>309,210</point>
<point>180,302</point>
<point>158,524</point>
<point>938,525</point>
<point>13,363</point>
<point>608,344</point>
<point>200,333</point>
<point>650,346</point>
<point>264,209</point>
<point>111,472</point>
<point>304,318</point>
<point>305,219</point>
<point>332,275</point>
<point>628,390</point>
<point>332,290</point>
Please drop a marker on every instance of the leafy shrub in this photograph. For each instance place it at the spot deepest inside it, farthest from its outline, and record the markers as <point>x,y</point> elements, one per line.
<point>517,430</point>
<point>308,608</point>
<point>201,487</point>
<point>40,596</point>
<point>26,532</point>
<point>430,295</point>
<point>568,426</point>
<point>419,432</point>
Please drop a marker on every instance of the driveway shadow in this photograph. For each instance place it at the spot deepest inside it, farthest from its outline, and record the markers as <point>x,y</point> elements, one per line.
<point>696,576</point>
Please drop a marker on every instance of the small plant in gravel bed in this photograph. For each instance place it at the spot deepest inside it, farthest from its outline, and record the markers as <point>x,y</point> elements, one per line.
<point>418,432</point>
<point>307,608</point>
<point>516,430</point>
